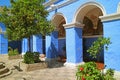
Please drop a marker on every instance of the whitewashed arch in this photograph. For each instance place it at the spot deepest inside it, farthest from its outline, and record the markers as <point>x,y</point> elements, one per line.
<point>57,18</point>
<point>84,8</point>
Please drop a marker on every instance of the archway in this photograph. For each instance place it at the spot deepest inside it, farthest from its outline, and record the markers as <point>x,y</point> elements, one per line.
<point>58,20</point>
<point>88,14</point>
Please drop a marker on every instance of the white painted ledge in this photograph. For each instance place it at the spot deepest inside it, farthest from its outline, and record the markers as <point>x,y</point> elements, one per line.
<point>50,2</point>
<point>110,17</point>
<point>74,24</point>
<point>57,6</point>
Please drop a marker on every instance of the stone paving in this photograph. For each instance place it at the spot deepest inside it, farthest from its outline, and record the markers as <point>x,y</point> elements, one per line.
<point>55,72</point>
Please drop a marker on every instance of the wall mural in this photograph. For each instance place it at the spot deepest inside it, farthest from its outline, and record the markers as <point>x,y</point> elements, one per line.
<point>92,27</point>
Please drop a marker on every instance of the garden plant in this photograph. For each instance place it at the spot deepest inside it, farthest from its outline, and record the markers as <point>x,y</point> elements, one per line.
<point>97,46</point>
<point>24,18</point>
<point>89,70</point>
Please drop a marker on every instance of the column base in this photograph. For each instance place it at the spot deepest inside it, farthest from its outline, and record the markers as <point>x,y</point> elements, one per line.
<point>22,53</point>
<point>72,65</point>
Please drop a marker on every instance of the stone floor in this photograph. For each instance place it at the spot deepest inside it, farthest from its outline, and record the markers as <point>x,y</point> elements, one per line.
<point>56,71</point>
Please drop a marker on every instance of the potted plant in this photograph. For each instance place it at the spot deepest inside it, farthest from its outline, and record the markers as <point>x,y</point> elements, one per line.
<point>32,61</point>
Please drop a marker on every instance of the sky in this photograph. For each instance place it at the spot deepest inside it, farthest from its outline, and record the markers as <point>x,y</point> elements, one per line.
<point>4,2</point>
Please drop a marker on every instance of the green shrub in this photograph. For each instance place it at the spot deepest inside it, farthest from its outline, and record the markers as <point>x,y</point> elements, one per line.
<point>31,57</point>
<point>89,71</point>
<point>109,75</point>
<point>36,57</point>
<point>12,52</point>
<point>97,47</point>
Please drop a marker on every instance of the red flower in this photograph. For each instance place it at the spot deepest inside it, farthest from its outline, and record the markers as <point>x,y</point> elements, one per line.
<point>83,78</point>
<point>81,68</point>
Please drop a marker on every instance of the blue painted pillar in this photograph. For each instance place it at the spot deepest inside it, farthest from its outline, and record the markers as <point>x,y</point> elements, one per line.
<point>74,45</point>
<point>24,45</point>
<point>3,44</point>
<point>52,45</point>
<point>3,40</point>
<point>0,45</point>
<point>112,56</point>
<point>37,44</point>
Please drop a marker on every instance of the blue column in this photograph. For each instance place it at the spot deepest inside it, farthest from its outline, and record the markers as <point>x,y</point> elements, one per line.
<point>52,45</point>
<point>0,45</point>
<point>24,45</point>
<point>3,44</point>
<point>112,56</point>
<point>74,45</point>
<point>37,44</point>
<point>3,40</point>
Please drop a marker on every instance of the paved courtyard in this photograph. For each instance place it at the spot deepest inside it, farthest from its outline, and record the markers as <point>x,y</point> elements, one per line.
<point>55,72</point>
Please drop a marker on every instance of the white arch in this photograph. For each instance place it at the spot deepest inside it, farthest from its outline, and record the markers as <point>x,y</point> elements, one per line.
<point>84,8</point>
<point>58,17</point>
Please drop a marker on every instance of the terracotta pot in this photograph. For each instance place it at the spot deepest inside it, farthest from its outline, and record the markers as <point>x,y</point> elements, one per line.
<point>100,65</point>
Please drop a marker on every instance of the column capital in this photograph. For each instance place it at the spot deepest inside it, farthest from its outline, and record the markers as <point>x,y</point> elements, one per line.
<point>74,24</point>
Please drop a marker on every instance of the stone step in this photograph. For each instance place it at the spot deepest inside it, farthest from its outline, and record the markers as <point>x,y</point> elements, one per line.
<point>6,74</point>
<point>2,65</point>
<point>4,70</point>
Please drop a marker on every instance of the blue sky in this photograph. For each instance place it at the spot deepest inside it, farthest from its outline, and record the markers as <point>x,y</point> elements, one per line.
<point>4,2</point>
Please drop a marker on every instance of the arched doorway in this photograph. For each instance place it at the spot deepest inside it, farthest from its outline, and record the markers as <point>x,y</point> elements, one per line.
<point>88,14</point>
<point>58,20</point>
<point>91,31</point>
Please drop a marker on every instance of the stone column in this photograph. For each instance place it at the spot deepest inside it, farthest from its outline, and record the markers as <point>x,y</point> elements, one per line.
<point>111,27</point>
<point>52,45</point>
<point>74,48</point>
<point>37,44</point>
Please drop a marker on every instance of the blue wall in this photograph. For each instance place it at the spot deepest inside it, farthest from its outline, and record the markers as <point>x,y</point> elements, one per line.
<point>112,56</point>
<point>69,11</point>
